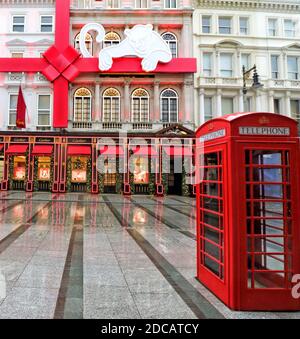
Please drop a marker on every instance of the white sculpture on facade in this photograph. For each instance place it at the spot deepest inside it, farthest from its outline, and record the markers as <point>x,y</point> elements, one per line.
<point>141,41</point>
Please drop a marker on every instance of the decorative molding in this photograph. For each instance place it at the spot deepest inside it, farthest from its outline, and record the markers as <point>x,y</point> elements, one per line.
<point>284,5</point>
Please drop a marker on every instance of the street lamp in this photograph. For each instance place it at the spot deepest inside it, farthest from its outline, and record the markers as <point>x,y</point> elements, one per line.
<point>256,84</point>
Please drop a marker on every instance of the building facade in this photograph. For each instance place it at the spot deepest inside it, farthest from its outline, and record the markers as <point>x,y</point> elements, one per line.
<point>126,115</point>
<point>231,34</point>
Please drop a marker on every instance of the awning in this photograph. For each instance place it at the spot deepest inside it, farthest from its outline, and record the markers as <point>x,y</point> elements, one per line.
<point>17,149</point>
<point>144,151</point>
<point>111,150</point>
<point>42,150</point>
<point>79,150</point>
<point>178,151</point>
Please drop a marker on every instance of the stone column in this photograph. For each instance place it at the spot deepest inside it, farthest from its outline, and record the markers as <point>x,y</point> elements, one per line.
<point>242,98</point>
<point>219,102</point>
<point>201,107</point>
<point>216,65</point>
<point>156,104</point>
<point>258,100</point>
<point>287,106</point>
<point>97,112</point>
<point>127,110</point>
<point>271,101</point>
<point>186,41</point>
<point>187,115</point>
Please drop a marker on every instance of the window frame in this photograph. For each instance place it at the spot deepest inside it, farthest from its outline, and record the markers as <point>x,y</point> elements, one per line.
<point>232,68</point>
<point>210,24</point>
<point>147,6</point>
<point>278,66</point>
<point>224,27</point>
<point>175,41</point>
<point>133,98</point>
<point>169,111</point>
<point>275,29</point>
<point>170,2</point>
<point>52,24</point>
<point>10,109</point>
<point>17,24</point>
<point>111,98</point>
<point>247,28</point>
<point>76,42</point>
<point>232,99</point>
<point>82,97</point>
<point>50,109</point>
<point>211,64</point>
<point>211,98</point>
<point>297,74</point>
<point>294,22</point>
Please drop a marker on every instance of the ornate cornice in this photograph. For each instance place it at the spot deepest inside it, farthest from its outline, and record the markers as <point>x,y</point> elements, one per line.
<point>266,5</point>
<point>27,3</point>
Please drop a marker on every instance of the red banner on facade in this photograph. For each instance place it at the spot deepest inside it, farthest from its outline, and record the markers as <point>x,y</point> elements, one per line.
<point>21,110</point>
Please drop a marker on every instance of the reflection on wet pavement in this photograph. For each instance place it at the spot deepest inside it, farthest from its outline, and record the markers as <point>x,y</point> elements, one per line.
<point>109,256</point>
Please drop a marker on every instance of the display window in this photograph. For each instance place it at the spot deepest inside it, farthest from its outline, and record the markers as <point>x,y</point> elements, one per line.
<point>19,172</point>
<point>44,168</point>
<point>141,172</point>
<point>110,176</point>
<point>79,170</point>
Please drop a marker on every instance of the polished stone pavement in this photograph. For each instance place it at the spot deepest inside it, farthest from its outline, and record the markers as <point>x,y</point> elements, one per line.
<point>86,256</point>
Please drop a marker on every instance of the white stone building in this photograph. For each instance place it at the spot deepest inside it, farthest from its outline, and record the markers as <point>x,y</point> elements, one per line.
<point>229,34</point>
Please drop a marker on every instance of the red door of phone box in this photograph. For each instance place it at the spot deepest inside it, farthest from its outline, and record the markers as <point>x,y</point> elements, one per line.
<point>248,203</point>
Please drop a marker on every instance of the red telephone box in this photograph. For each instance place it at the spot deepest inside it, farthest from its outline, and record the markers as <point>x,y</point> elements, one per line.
<point>248,203</point>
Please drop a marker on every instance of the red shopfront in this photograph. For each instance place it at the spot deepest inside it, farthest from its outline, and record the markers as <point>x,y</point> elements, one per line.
<point>248,230</point>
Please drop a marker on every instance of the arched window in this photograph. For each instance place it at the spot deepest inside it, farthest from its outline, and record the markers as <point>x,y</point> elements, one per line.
<point>82,105</point>
<point>111,38</point>
<point>111,105</point>
<point>88,43</point>
<point>171,40</point>
<point>140,105</point>
<point>169,105</point>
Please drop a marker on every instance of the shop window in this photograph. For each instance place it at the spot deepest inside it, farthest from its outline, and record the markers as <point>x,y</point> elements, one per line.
<point>109,172</point>
<point>140,105</point>
<point>79,170</point>
<point>44,168</point>
<point>141,172</point>
<point>1,167</point>
<point>19,168</point>
<point>169,106</point>
<point>88,43</point>
<point>111,39</point>
<point>82,105</point>
<point>111,105</point>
